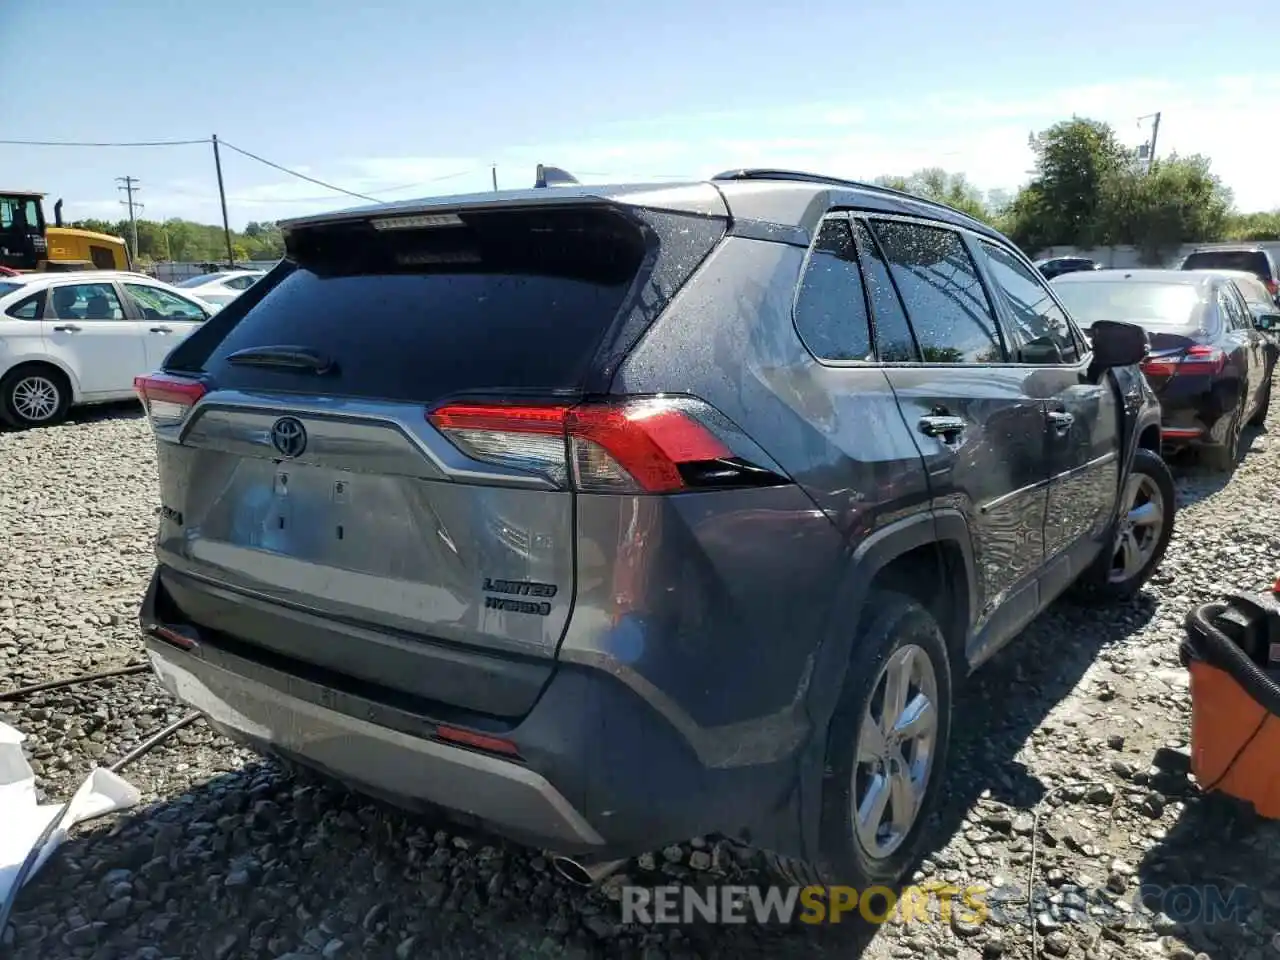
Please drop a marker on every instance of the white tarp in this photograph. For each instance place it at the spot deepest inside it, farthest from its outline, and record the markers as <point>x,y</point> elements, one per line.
<point>25,820</point>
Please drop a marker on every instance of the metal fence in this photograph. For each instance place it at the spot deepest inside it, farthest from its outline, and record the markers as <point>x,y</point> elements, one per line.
<point>176,272</point>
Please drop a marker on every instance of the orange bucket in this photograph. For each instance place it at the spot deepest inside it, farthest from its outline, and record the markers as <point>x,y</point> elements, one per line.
<point>1235,704</point>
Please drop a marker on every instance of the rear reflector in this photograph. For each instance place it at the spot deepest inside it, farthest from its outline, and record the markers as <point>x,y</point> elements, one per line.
<point>636,446</point>
<point>167,399</point>
<point>1197,359</point>
<point>479,741</point>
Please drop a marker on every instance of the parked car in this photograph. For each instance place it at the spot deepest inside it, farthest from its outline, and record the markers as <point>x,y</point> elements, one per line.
<point>76,338</point>
<point>1057,266</point>
<point>1262,306</point>
<point>1209,365</point>
<point>1252,259</point>
<point>607,516</point>
<point>222,287</point>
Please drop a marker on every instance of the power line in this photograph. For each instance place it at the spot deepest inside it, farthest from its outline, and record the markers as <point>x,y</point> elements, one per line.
<point>87,143</point>
<point>295,173</point>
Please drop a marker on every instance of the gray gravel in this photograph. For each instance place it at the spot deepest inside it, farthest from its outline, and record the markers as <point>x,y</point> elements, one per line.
<point>232,857</point>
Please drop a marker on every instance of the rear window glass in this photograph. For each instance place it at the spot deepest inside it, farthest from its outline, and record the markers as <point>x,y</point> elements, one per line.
<point>508,302</point>
<point>8,288</point>
<point>1162,305</point>
<point>1253,261</point>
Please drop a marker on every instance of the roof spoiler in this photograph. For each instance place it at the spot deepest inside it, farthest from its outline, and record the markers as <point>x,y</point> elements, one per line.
<point>553,177</point>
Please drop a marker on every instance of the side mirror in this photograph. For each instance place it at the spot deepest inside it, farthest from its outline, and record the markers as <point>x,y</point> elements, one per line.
<point>1117,344</point>
<point>1267,321</point>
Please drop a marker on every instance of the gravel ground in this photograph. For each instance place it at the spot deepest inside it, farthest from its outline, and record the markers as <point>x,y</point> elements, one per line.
<point>1083,721</point>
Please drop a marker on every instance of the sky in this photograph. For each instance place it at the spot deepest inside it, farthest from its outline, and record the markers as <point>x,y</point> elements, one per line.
<point>395,99</point>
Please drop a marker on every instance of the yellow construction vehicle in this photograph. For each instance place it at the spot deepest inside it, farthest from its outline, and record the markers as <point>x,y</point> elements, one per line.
<point>28,243</point>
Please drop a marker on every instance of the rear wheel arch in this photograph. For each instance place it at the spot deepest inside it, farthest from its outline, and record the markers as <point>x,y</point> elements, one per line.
<point>928,557</point>
<point>46,368</point>
<point>1149,438</point>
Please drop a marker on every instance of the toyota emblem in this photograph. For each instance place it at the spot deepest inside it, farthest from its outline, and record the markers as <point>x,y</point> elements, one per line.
<point>289,437</point>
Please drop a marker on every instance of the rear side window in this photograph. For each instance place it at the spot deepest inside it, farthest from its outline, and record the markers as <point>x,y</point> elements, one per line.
<point>894,343</point>
<point>1044,328</point>
<point>27,309</point>
<point>1253,261</point>
<point>831,306</point>
<point>944,298</point>
<point>505,301</point>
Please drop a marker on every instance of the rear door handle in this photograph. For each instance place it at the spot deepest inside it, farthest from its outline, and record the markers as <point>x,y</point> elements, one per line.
<point>942,425</point>
<point>1061,420</point>
<point>66,328</point>
<point>162,329</point>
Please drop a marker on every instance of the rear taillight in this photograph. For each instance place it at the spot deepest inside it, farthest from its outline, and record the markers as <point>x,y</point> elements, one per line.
<point>1197,359</point>
<point>167,399</point>
<point>637,446</point>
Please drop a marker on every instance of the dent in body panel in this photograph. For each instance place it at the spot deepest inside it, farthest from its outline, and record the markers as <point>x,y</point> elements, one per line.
<point>728,338</point>
<point>394,551</point>
<point>995,472</point>
<point>709,605</point>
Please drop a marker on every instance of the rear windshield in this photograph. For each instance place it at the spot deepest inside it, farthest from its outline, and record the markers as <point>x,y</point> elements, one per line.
<point>1253,261</point>
<point>7,288</point>
<point>507,302</point>
<point>1151,305</point>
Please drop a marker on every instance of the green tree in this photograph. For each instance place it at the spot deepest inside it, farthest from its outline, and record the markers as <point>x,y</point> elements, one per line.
<point>1074,159</point>
<point>1179,201</point>
<point>940,186</point>
<point>1253,226</point>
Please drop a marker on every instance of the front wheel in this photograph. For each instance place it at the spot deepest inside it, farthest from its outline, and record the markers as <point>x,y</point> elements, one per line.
<point>34,396</point>
<point>1144,525</point>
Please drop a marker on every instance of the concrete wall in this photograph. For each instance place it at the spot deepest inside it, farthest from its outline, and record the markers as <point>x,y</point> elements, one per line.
<point>1126,256</point>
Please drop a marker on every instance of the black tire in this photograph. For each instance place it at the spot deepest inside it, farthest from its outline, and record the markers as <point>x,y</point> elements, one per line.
<point>1096,585</point>
<point>16,395</point>
<point>897,622</point>
<point>1259,417</point>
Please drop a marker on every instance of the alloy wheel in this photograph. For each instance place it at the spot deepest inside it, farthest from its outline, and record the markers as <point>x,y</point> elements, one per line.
<point>35,398</point>
<point>1141,523</point>
<point>895,751</point>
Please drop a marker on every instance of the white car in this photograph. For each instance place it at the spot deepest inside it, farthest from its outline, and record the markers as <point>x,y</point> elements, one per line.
<point>219,289</point>
<point>78,338</point>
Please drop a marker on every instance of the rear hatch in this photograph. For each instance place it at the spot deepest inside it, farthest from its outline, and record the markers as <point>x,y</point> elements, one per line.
<point>1251,261</point>
<point>310,469</point>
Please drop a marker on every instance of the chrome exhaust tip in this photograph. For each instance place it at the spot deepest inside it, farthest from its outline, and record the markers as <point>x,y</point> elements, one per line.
<point>584,875</point>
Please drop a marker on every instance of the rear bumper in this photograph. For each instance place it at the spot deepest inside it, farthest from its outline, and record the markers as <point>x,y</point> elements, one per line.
<point>601,773</point>
<point>1196,411</point>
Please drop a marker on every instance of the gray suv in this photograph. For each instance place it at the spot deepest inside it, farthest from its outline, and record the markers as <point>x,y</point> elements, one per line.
<point>605,517</point>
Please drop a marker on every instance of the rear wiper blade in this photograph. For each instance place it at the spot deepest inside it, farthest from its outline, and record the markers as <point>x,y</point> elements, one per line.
<point>284,358</point>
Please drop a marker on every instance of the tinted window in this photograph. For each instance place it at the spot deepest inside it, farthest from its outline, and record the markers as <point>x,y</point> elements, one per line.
<point>893,335</point>
<point>939,285</point>
<point>157,304</point>
<point>85,301</point>
<point>831,308</point>
<point>1150,305</point>
<point>1253,291</point>
<point>1234,313</point>
<point>8,288</point>
<point>1043,327</point>
<point>508,301</point>
<point>241,283</point>
<point>1254,261</point>
<point>28,309</point>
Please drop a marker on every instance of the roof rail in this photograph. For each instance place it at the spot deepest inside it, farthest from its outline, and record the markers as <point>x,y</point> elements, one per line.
<point>800,176</point>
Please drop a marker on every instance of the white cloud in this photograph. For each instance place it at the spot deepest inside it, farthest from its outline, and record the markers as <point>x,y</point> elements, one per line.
<point>981,134</point>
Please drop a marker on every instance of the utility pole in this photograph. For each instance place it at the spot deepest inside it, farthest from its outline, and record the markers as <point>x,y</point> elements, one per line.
<point>494,171</point>
<point>222,195</point>
<point>1155,132</point>
<point>129,185</point>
